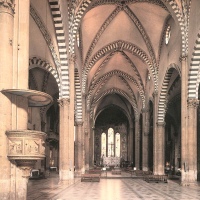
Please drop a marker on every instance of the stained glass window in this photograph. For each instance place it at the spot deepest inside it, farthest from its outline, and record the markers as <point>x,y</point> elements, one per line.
<point>103,144</point>
<point>110,142</point>
<point>117,145</point>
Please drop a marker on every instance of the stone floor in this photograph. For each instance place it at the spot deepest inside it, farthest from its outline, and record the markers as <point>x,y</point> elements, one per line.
<point>114,187</point>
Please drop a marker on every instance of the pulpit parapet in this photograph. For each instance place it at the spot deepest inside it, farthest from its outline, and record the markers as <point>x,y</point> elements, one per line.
<point>25,147</point>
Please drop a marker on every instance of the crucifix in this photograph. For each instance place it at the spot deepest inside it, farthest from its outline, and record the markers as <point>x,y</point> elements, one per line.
<point>112,149</point>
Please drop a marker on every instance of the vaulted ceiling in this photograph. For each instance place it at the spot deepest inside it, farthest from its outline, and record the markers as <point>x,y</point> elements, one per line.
<point>120,48</point>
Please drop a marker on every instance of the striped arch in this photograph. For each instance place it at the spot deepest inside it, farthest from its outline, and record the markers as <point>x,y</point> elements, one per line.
<point>103,64</point>
<point>130,91</point>
<point>85,4</point>
<point>37,62</point>
<point>114,91</point>
<point>118,107</point>
<point>60,35</point>
<point>78,105</point>
<point>194,79</point>
<point>145,36</point>
<point>76,22</point>
<point>183,27</point>
<point>117,46</point>
<point>162,105</point>
<point>106,76</point>
<point>100,32</point>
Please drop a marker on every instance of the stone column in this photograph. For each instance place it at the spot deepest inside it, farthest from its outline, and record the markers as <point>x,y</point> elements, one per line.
<point>66,154</point>
<point>145,141</point>
<point>72,61</point>
<point>137,144</point>
<point>20,81</point>
<point>22,177</point>
<point>184,122</point>
<point>91,140</point>
<point>14,64</point>
<point>87,142</point>
<point>131,144</point>
<point>76,149</point>
<point>6,66</point>
<point>79,148</point>
<point>155,110</point>
<point>56,157</point>
<point>189,170</point>
<point>159,154</point>
<point>84,131</point>
<point>47,153</point>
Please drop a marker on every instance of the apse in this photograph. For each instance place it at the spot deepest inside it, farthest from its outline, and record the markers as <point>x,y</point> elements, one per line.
<point>110,137</point>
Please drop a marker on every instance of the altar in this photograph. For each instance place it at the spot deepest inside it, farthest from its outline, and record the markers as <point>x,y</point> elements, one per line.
<point>111,161</point>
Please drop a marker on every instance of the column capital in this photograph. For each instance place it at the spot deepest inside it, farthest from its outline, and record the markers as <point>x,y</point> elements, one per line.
<point>79,123</point>
<point>72,57</point>
<point>182,58</point>
<point>155,94</point>
<point>63,102</point>
<point>161,124</point>
<point>7,6</point>
<point>136,120</point>
<point>193,103</point>
<point>145,110</point>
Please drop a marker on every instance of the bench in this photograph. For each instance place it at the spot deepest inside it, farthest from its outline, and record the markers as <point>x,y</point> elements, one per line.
<point>90,177</point>
<point>94,171</point>
<point>139,173</point>
<point>156,178</point>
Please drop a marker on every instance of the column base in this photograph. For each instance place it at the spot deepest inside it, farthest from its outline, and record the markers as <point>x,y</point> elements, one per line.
<point>66,182</point>
<point>66,175</point>
<point>189,183</point>
<point>87,167</point>
<point>145,169</point>
<point>5,194</point>
<point>189,178</point>
<point>77,172</point>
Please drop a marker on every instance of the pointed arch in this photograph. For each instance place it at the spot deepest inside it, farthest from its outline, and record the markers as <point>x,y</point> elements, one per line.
<point>78,101</point>
<point>38,62</point>
<point>106,60</point>
<point>114,91</point>
<point>194,72</point>
<point>118,46</point>
<point>62,49</point>
<point>162,105</point>
<point>100,32</point>
<point>106,76</point>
